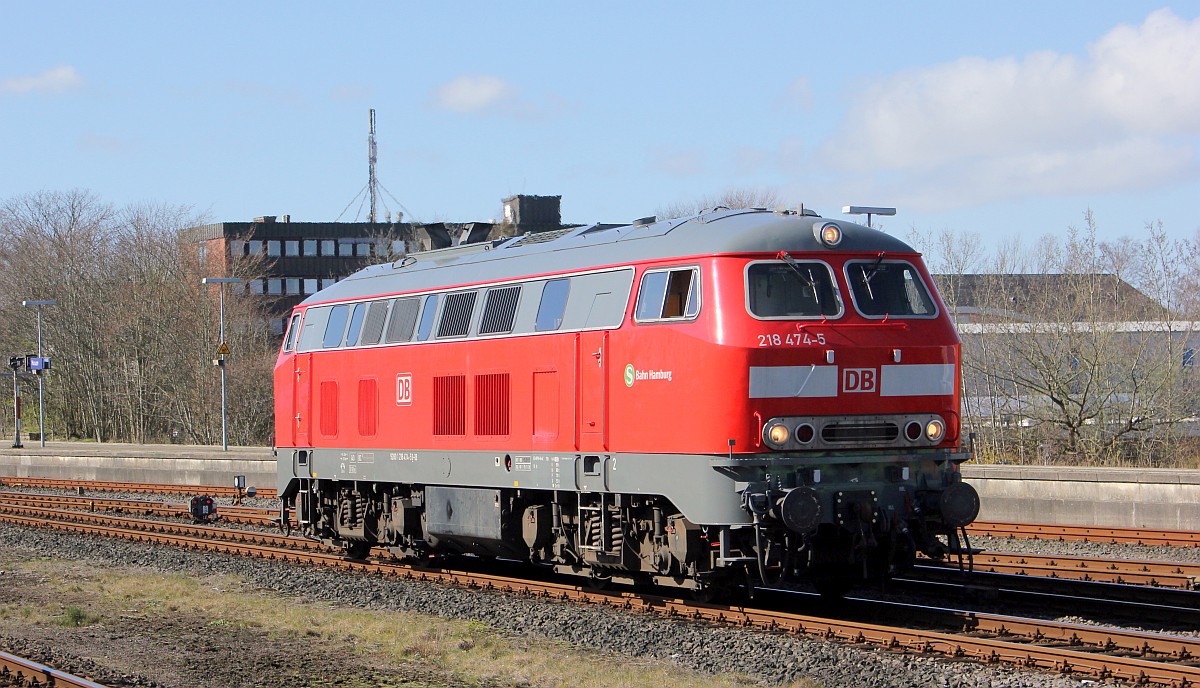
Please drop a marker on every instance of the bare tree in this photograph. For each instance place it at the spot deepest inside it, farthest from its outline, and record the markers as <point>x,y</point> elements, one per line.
<point>132,334</point>
<point>736,197</point>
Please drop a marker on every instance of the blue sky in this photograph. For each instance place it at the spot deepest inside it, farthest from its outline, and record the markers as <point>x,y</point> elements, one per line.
<point>1005,119</point>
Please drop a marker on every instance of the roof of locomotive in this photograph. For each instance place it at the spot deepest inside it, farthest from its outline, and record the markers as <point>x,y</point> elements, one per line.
<point>580,248</point>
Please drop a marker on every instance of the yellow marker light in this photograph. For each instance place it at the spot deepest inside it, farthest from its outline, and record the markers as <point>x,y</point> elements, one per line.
<point>935,430</point>
<point>778,434</point>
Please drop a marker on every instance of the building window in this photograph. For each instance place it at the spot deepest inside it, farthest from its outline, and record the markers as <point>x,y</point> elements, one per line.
<point>274,286</point>
<point>310,247</point>
<point>276,326</point>
<point>310,286</point>
<point>256,247</point>
<point>256,286</point>
<point>328,247</point>
<point>291,247</point>
<point>237,248</point>
<point>327,282</point>
<point>398,247</point>
<point>362,249</point>
<point>1189,358</point>
<point>292,285</point>
<point>345,248</point>
<point>273,248</point>
<point>202,253</point>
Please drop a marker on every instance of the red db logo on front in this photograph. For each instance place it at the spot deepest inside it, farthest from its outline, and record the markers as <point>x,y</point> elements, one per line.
<point>858,380</point>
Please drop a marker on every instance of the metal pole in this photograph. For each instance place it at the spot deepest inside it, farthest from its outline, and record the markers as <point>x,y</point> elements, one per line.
<point>16,413</point>
<point>41,393</point>
<point>224,426</point>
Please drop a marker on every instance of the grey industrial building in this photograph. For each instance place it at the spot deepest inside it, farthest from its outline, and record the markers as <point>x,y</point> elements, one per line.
<point>300,258</point>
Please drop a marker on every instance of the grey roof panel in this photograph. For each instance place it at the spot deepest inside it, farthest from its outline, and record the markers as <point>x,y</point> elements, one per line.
<point>727,231</point>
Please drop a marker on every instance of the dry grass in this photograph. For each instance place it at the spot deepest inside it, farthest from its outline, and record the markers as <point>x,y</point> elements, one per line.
<point>467,650</point>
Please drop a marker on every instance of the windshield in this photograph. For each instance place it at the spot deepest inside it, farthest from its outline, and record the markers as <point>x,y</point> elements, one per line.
<point>791,290</point>
<point>889,288</point>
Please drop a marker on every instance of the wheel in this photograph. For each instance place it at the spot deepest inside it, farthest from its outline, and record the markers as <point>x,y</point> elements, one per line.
<point>357,550</point>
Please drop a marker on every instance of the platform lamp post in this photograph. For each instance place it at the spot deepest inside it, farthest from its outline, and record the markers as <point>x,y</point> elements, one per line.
<point>867,210</point>
<point>222,351</point>
<point>41,367</point>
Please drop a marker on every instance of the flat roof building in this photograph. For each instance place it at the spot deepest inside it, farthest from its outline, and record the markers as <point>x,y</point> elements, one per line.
<point>299,259</point>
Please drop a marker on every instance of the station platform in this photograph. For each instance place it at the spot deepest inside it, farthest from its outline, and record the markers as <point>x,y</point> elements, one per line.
<point>168,464</point>
<point>1118,497</point>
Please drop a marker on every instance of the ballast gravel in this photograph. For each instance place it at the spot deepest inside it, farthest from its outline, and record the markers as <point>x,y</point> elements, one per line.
<point>768,658</point>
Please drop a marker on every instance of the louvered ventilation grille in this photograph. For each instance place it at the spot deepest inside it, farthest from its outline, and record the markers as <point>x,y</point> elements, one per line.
<point>450,405</point>
<point>542,237</point>
<point>456,315</point>
<point>373,325</point>
<point>404,318</point>
<point>368,408</point>
<point>491,404</point>
<point>499,310</point>
<point>329,408</point>
<point>860,432</point>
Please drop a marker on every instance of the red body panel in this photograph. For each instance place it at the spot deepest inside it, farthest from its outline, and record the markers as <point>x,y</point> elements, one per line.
<point>668,387</point>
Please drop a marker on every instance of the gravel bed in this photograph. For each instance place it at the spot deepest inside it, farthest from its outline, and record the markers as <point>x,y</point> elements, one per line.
<point>771,659</point>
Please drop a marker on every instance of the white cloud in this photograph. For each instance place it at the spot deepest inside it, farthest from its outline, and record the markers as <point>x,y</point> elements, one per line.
<point>474,94</point>
<point>56,80</point>
<point>970,130</point>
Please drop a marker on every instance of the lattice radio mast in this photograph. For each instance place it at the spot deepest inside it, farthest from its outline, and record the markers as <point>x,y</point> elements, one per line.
<point>372,181</point>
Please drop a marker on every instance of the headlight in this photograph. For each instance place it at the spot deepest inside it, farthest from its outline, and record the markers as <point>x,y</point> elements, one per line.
<point>912,431</point>
<point>828,234</point>
<point>777,435</point>
<point>805,433</point>
<point>935,430</point>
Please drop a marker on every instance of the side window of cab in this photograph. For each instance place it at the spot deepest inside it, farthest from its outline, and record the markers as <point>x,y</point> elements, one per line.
<point>672,294</point>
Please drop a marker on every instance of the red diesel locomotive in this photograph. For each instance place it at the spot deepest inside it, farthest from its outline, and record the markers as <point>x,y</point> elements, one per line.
<point>741,396</point>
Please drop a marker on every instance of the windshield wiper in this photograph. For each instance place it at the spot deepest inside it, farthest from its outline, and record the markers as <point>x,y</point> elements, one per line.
<point>869,275</point>
<point>809,280</point>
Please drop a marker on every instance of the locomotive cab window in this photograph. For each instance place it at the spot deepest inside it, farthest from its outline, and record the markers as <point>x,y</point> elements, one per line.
<point>891,288</point>
<point>289,342</point>
<point>669,295</point>
<point>791,289</point>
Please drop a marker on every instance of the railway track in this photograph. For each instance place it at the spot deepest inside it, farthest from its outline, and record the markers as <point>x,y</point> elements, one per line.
<point>1144,658</point>
<point>1155,574</point>
<point>1034,531</point>
<point>18,671</point>
<point>1101,534</point>
<point>143,488</point>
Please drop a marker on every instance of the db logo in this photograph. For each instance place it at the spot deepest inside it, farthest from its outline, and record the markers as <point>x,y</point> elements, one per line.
<point>404,389</point>
<point>858,380</point>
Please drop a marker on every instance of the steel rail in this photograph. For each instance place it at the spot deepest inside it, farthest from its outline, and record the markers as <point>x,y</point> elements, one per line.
<point>109,486</point>
<point>1126,572</point>
<point>1061,659</point>
<point>1154,574</point>
<point>233,514</point>
<point>1105,534</point>
<point>19,671</point>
